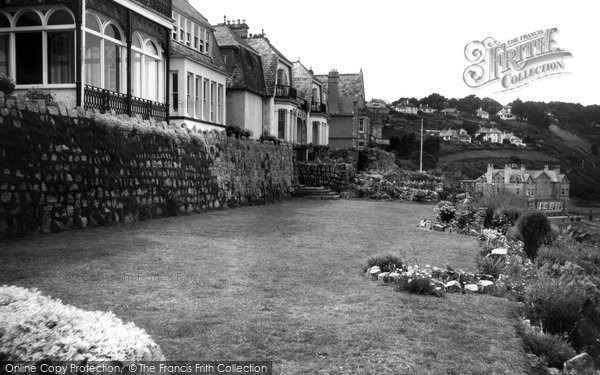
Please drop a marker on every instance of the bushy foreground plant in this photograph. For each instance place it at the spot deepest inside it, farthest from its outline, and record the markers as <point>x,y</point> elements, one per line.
<point>491,265</point>
<point>237,132</point>
<point>385,262</point>
<point>554,349</point>
<point>419,284</point>
<point>7,85</point>
<point>534,228</point>
<point>35,327</point>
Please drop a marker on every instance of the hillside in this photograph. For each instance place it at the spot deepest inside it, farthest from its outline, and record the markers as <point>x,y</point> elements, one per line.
<point>568,145</point>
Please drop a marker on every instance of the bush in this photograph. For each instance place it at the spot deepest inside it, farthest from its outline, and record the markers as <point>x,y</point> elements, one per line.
<point>491,265</point>
<point>236,131</point>
<point>35,327</point>
<point>269,137</point>
<point>569,250</point>
<point>386,262</point>
<point>534,227</point>
<point>7,85</point>
<point>446,211</point>
<point>556,302</point>
<point>418,284</point>
<point>553,348</point>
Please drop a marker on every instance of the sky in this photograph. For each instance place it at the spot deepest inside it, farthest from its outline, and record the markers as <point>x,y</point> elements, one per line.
<point>415,48</point>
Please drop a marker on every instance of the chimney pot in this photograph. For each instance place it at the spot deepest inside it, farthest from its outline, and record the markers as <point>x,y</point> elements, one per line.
<point>238,21</point>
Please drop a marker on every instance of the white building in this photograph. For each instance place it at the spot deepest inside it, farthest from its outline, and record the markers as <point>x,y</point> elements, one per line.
<point>506,113</point>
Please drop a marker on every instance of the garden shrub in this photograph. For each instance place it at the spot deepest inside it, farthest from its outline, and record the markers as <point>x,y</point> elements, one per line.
<point>418,284</point>
<point>556,302</point>
<point>566,250</point>
<point>386,262</point>
<point>490,265</point>
<point>553,348</point>
<point>446,211</point>
<point>269,137</point>
<point>7,85</point>
<point>236,131</point>
<point>534,227</point>
<point>35,327</point>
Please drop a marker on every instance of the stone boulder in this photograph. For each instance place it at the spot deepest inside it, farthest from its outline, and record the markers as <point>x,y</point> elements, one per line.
<point>383,276</point>
<point>394,276</point>
<point>374,272</point>
<point>500,251</point>
<point>579,365</point>
<point>471,288</point>
<point>453,287</point>
<point>486,286</point>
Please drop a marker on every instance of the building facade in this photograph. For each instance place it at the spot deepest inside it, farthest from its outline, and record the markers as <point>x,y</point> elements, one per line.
<point>316,129</point>
<point>197,73</point>
<point>246,90</point>
<point>109,55</point>
<point>546,190</point>
<point>349,124</point>
<point>506,113</point>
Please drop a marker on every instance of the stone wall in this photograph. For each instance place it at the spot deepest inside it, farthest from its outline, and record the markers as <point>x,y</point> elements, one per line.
<point>374,159</point>
<point>62,169</point>
<point>336,176</point>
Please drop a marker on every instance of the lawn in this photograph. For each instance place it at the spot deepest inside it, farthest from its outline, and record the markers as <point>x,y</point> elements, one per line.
<point>281,283</point>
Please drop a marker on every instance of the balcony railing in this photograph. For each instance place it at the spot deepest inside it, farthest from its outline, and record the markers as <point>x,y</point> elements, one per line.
<point>318,107</point>
<point>107,100</point>
<point>282,91</point>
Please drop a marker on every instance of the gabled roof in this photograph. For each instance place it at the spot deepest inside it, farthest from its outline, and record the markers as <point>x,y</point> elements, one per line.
<point>270,58</point>
<point>244,64</point>
<point>351,89</point>
<point>303,81</point>
<point>185,8</point>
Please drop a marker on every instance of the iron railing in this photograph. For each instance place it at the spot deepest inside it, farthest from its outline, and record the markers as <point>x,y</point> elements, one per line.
<point>318,107</point>
<point>283,91</point>
<point>107,100</point>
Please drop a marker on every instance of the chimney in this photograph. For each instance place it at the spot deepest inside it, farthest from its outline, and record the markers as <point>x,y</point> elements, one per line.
<point>239,28</point>
<point>546,168</point>
<point>522,168</point>
<point>490,173</point>
<point>507,173</point>
<point>557,170</point>
<point>333,98</point>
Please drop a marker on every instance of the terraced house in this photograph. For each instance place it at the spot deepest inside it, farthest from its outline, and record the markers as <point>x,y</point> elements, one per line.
<point>99,54</point>
<point>315,130</point>
<point>285,113</point>
<point>197,73</point>
<point>246,93</point>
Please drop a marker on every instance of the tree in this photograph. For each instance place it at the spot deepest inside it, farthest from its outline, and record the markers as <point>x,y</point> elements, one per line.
<point>490,105</point>
<point>431,145</point>
<point>506,141</point>
<point>429,161</point>
<point>434,100</point>
<point>469,104</point>
<point>452,102</point>
<point>534,228</point>
<point>471,127</point>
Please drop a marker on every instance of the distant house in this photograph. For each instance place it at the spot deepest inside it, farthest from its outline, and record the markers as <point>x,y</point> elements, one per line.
<point>506,113</point>
<point>450,112</point>
<point>546,190</point>
<point>407,108</point>
<point>376,104</point>
<point>483,114</point>
<point>426,109</point>
<point>197,72</point>
<point>349,124</point>
<point>494,135</point>
<point>452,135</point>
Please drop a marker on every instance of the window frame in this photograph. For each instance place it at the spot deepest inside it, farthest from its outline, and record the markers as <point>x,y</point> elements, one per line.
<point>161,66</point>
<point>43,29</point>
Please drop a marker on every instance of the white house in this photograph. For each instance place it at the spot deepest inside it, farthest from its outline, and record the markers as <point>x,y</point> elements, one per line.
<point>483,114</point>
<point>426,109</point>
<point>407,108</point>
<point>506,113</point>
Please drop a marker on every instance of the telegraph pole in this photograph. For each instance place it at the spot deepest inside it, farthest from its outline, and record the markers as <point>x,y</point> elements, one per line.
<point>421,157</point>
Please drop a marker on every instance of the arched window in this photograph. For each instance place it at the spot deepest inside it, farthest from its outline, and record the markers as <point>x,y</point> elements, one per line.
<point>105,54</point>
<point>148,69</point>
<point>44,46</point>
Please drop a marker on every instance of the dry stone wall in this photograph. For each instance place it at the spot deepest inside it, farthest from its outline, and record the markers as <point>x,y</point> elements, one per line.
<point>62,169</point>
<point>336,176</point>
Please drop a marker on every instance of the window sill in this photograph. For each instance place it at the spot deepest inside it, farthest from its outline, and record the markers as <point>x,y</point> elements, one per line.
<point>47,86</point>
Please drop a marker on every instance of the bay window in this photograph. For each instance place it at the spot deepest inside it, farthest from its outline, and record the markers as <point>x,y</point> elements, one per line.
<point>148,69</point>
<point>105,54</point>
<point>44,50</point>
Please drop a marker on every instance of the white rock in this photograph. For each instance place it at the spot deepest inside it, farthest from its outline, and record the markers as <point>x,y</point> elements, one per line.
<point>393,276</point>
<point>580,364</point>
<point>500,251</point>
<point>383,276</point>
<point>485,286</point>
<point>453,286</point>
<point>471,288</point>
<point>374,271</point>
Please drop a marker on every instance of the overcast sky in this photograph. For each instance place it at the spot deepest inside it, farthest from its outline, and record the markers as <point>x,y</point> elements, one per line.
<point>414,48</point>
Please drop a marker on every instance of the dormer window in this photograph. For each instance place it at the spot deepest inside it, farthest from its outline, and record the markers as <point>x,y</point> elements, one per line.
<point>282,78</point>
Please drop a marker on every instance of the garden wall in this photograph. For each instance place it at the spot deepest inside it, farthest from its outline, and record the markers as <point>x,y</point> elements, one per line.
<point>62,169</point>
<point>335,176</point>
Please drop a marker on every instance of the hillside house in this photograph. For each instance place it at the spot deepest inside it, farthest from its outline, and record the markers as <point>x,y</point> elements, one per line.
<point>483,114</point>
<point>546,190</point>
<point>453,135</point>
<point>406,108</point>
<point>506,113</point>
<point>246,94</point>
<point>197,71</point>
<point>97,54</point>
<point>426,109</point>
<point>494,135</point>
<point>349,124</point>
<point>450,112</point>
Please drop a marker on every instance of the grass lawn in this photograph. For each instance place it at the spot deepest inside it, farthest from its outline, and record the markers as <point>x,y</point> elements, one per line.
<point>281,283</point>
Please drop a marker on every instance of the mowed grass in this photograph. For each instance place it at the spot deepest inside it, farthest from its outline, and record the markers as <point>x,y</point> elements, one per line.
<point>279,282</point>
